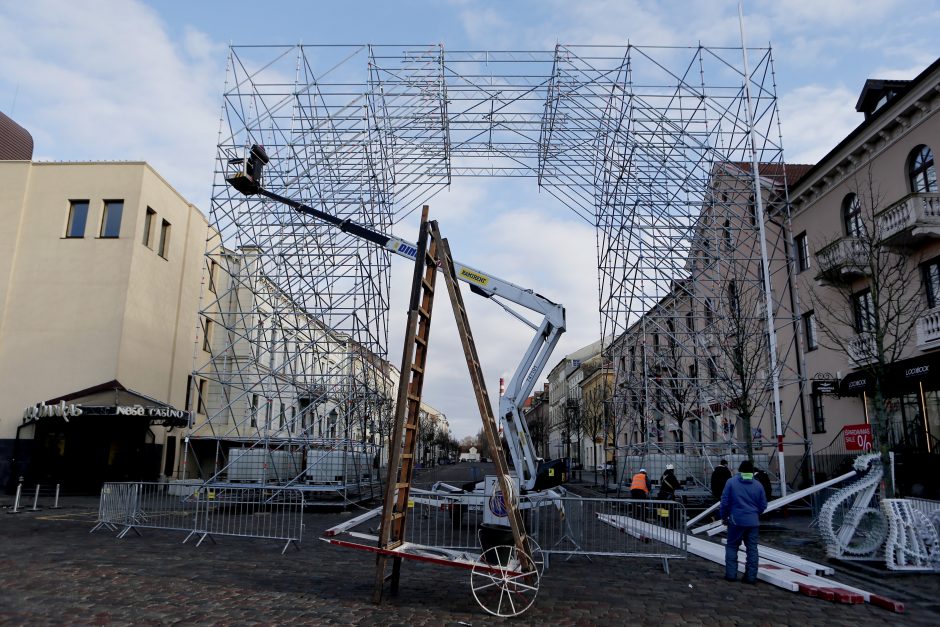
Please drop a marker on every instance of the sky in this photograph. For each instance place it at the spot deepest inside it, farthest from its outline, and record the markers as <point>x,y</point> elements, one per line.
<point>132,80</point>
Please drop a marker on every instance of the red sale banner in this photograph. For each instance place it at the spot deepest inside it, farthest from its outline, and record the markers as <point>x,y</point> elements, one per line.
<point>857,437</point>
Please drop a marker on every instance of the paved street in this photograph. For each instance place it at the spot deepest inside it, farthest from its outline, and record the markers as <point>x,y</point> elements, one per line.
<point>53,571</point>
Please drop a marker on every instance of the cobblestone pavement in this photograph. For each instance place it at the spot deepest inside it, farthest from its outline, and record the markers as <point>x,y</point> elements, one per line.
<point>53,571</point>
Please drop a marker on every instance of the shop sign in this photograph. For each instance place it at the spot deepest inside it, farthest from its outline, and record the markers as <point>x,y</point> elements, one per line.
<point>857,437</point>
<point>60,410</point>
<point>825,387</point>
<point>152,412</point>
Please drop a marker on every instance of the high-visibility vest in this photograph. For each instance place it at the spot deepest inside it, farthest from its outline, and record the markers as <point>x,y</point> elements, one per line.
<point>640,482</point>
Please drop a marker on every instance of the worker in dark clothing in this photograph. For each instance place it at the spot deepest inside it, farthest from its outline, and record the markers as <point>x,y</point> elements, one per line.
<point>720,477</point>
<point>668,484</point>
<point>763,479</point>
<point>742,501</point>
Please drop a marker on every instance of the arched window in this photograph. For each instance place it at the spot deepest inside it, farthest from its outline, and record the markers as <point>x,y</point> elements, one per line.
<point>921,171</point>
<point>852,216</point>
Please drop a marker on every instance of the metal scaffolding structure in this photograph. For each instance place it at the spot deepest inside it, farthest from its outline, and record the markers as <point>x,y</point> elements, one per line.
<point>651,145</point>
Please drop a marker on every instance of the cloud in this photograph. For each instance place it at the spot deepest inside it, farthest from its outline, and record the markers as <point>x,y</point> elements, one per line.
<point>814,119</point>
<point>108,81</point>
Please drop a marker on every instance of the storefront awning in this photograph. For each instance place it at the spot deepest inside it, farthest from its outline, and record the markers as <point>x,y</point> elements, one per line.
<point>107,399</point>
<point>904,376</point>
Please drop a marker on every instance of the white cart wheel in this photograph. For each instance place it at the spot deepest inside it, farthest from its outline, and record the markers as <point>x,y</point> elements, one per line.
<point>499,583</point>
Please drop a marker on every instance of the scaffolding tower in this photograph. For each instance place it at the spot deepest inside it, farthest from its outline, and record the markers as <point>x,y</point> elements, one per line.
<point>655,147</point>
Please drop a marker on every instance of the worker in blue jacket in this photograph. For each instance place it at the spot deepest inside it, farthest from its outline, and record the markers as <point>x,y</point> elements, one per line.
<point>742,502</point>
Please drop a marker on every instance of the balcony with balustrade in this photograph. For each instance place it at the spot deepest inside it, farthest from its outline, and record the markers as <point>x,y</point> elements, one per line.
<point>928,329</point>
<point>910,220</point>
<point>846,259</point>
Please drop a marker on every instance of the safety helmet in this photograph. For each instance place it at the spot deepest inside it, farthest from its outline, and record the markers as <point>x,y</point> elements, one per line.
<point>642,469</point>
<point>670,467</point>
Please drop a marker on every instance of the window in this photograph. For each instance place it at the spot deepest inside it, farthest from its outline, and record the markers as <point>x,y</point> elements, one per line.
<point>931,271</point>
<point>78,215</point>
<point>712,368</point>
<point>201,399</point>
<point>207,336</point>
<point>809,328</point>
<point>819,418</point>
<point>864,309</point>
<point>281,416</point>
<point>852,216</point>
<point>709,311</point>
<point>213,271</point>
<point>729,240</point>
<point>690,322</point>
<point>269,407</point>
<point>752,209</point>
<point>293,418</point>
<point>632,359</point>
<point>802,252</point>
<point>148,226</point>
<point>921,171</point>
<point>111,218</point>
<point>734,303</point>
<point>164,246</point>
<point>254,410</point>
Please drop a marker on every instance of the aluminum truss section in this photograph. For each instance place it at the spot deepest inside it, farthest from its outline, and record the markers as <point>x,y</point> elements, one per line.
<point>651,145</point>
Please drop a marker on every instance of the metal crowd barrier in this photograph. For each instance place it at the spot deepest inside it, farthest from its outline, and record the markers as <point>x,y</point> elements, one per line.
<point>250,512</point>
<point>116,506</point>
<point>203,511</point>
<point>445,522</point>
<point>560,525</point>
<point>595,526</point>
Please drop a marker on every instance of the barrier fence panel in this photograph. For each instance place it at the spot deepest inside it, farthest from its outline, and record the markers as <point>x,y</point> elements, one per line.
<point>591,526</point>
<point>559,525</point>
<point>155,507</point>
<point>272,513</point>
<point>116,506</point>
<point>445,522</point>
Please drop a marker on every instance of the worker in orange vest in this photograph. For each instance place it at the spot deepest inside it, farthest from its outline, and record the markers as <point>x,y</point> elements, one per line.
<point>640,485</point>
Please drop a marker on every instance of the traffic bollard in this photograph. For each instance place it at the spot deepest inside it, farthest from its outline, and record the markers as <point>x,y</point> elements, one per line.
<point>16,501</point>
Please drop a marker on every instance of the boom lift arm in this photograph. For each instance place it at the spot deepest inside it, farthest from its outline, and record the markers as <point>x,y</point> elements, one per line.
<point>533,474</point>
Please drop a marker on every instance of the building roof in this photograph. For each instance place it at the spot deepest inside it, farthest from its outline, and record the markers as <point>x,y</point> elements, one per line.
<point>875,118</point>
<point>792,172</point>
<point>16,144</point>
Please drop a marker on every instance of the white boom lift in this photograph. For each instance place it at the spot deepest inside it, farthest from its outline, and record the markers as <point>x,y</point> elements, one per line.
<point>532,472</point>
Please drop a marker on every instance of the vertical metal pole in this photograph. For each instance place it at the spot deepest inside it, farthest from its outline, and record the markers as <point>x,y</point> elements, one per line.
<point>768,296</point>
<point>16,501</point>
<point>56,505</point>
<point>923,412</point>
<point>36,498</point>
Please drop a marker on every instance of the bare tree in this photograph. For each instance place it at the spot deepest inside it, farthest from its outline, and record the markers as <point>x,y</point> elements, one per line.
<point>675,385</point>
<point>595,410</point>
<point>869,307</point>
<point>740,348</point>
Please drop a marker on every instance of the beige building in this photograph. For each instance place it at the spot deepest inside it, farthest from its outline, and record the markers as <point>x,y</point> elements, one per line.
<point>866,226</point>
<point>100,273</point>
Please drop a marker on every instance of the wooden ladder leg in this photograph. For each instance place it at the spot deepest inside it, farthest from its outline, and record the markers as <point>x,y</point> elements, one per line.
<point>405,431</point>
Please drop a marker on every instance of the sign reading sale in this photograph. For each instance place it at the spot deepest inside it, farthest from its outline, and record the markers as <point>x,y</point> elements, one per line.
<point>857,437</point>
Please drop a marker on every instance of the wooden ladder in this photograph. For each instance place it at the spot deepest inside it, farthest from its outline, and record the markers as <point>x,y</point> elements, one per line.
<point>490,428</point>
<point>404,440</point>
